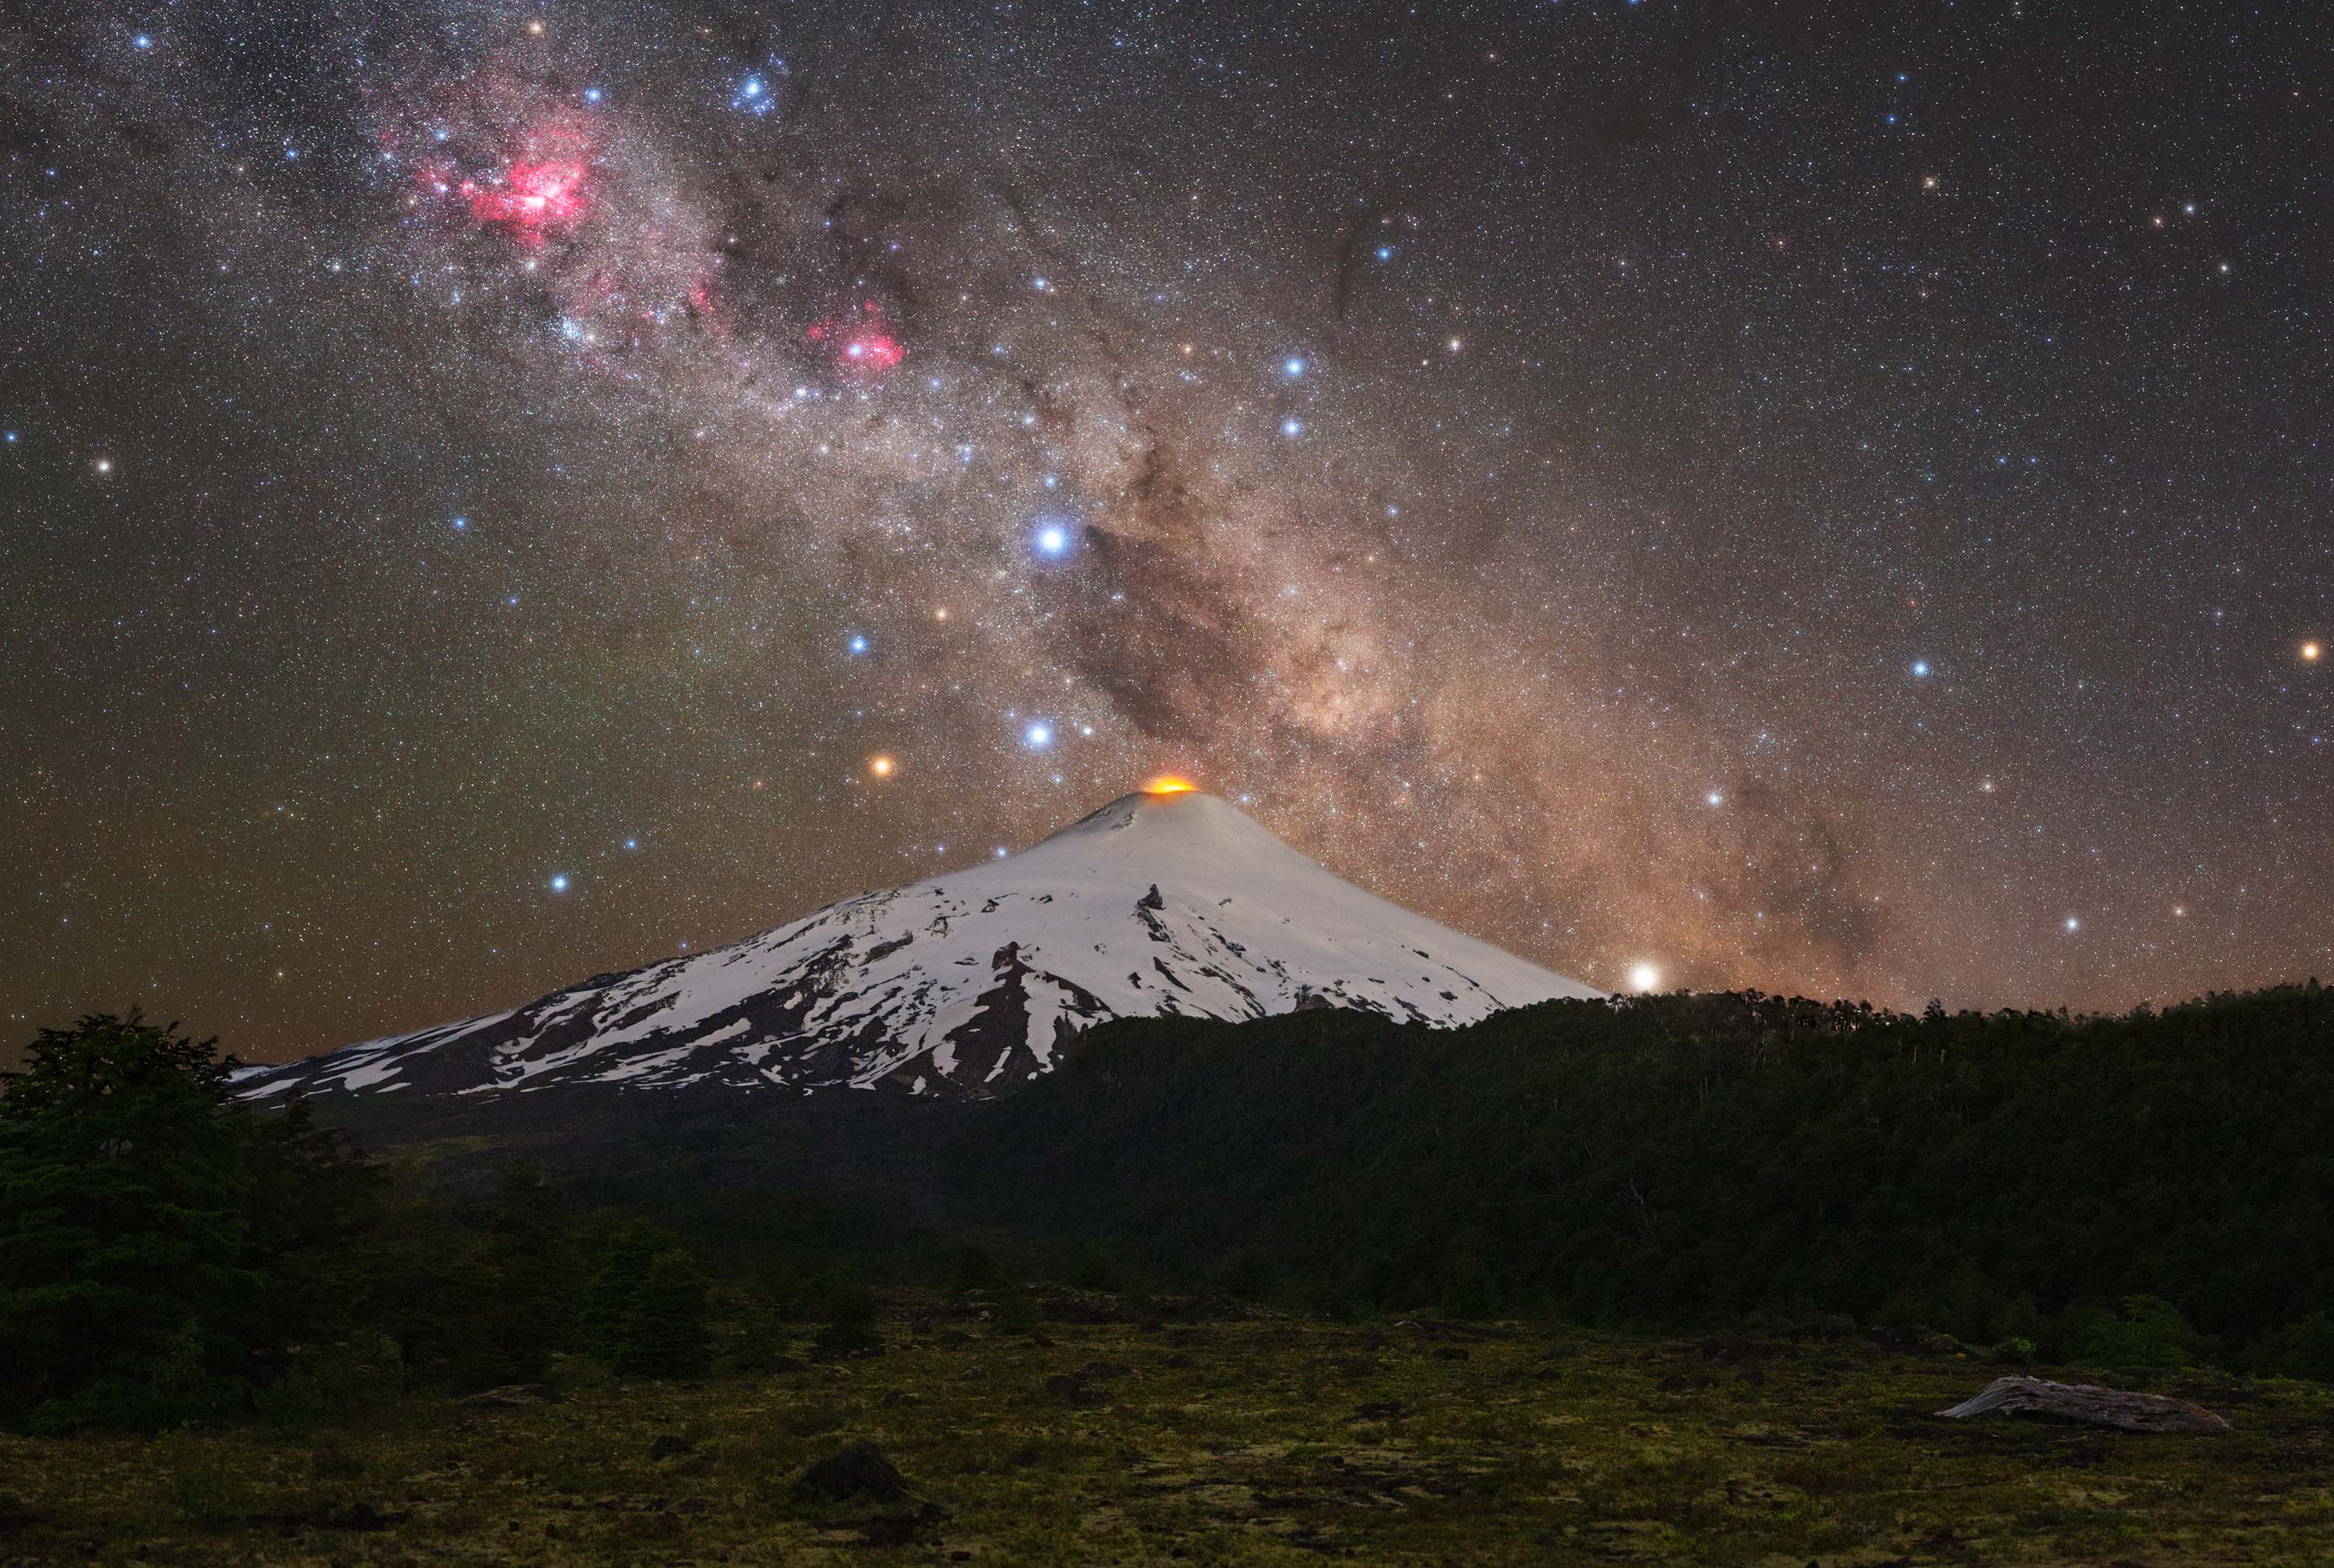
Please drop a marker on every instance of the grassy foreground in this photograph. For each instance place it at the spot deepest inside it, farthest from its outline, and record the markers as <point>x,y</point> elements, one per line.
<point>1257,1440</point>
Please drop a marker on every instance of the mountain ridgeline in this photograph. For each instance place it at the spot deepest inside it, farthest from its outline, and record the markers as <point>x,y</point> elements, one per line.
<point>1691,1159</point>
<point>974,982</point>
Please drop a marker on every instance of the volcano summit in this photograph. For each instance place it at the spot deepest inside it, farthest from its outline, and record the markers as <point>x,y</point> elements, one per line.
<point>974,982</point>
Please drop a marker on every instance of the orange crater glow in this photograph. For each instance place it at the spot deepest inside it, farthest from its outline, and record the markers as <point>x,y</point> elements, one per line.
<point>1168,784</point>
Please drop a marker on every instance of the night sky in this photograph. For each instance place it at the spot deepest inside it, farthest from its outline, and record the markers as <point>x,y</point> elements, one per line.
<point>1837,502</point>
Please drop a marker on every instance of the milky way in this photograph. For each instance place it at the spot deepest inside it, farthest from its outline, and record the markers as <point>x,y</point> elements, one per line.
<point>498,493</point>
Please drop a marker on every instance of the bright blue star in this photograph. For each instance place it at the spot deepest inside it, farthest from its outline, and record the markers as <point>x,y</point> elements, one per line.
<point>1920,666</point>
<point>1292,427</point>
<point>1040,285</point>
<point>559,882</point>
<point>858,642</point>
<point>591,95</point>
<point>461,524</point>
<point>1293,366</point>
<point>141,42</point>
<point>1038,735</point>
<point>631,843</point>
<point>1385,253</point>
<point>1052,540</point>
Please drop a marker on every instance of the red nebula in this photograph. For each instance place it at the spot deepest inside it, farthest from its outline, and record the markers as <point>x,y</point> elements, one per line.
<point>533,197</point>
<point>866,344</point>
<point>872,347</point>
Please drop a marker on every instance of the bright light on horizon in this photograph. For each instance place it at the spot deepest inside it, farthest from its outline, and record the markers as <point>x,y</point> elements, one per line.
<point>1168,784</point>
<point>1645,977</point>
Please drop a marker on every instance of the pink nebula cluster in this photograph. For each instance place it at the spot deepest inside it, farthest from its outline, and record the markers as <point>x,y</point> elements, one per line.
<point>531,197</point>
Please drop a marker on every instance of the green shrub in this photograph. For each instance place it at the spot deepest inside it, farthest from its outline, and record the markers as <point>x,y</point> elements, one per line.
<point>2144,1332</point>
<point>975,1270</point>
<point>205,1483</point>
<point>2301,1350</point>
<point>1014,1310</point>
<point>328,1383</point>
<point>645,1310</point>
<point>1095,1271</point>
<point>850,1328</point>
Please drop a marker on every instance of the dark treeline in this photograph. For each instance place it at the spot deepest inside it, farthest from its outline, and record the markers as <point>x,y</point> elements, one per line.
<point>170,1257</point>
<point>2121,1192</point>
<point>1683,1160</point>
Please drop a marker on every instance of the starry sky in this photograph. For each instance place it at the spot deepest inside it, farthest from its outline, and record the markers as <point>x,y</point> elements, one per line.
<point>1831,499</point>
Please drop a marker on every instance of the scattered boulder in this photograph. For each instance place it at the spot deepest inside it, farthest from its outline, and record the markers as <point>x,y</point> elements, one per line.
<point>358,1516</point>
<point>2090,1404</point>
<point>1729,1349</point>
<point>859,1471</point>
<point>1073,1389</point>
<point>899,1529</point>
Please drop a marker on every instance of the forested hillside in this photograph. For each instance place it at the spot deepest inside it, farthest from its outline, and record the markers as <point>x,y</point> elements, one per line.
<point>2149,1190</point>
<point>1691,1158</point>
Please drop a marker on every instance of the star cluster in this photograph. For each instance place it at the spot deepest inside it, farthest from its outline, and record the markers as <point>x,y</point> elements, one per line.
<point>1696,496</point>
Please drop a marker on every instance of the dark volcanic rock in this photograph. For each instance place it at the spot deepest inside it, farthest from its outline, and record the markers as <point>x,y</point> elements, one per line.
<point>1073,1390</point>
<point>859,1471</point>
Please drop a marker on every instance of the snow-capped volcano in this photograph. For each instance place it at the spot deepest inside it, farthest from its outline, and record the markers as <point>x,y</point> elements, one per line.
<point>976,981</point>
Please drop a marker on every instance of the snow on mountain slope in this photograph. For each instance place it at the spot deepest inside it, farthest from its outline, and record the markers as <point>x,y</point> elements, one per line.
<point>972,982</point>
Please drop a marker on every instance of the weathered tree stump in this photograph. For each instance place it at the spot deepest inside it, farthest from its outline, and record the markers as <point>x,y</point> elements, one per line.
<point>2084,1403</point>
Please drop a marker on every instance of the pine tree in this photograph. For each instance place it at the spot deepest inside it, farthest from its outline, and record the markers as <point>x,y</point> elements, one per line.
<point>156,1236</point>
<point>645,1311</point>
<point>530,1260</point>
<point>668,1337</point>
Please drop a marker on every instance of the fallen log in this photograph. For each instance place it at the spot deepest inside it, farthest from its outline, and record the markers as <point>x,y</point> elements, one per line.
<point>2084,1402</point>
